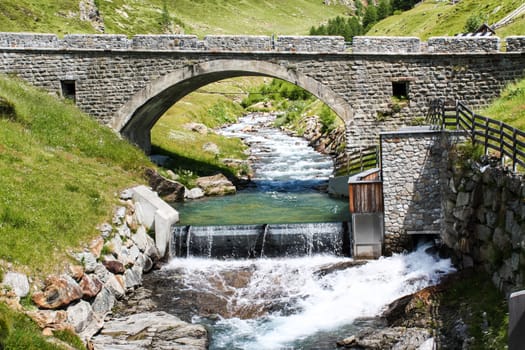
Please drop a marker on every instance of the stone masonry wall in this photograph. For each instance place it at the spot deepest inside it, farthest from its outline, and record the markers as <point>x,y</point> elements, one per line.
<point>383,44</point>
<point>411,161</point>
<point>238,43</point>
<point>515,43</point>
<point>284,43</point>
<point>310,43</point>
<point>107,76</point>
<point>463,44</point>
<point>484,220</point>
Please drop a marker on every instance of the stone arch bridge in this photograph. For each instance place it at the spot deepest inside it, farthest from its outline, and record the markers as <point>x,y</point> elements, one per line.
<point>376,84</point>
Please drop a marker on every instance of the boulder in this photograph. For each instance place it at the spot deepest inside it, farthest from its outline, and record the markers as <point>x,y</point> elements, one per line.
<point>119,216</point>
<point>76,271</point>
<point>211,148</point>
<point>197,127</point>
<point>116,286</point>
<point>169,190</point>
<point>50,319</point>
<point>216,185</point>
<point>84,320</point>
<point>104,302</point>
<point>96,245</point>
<point>59,291</point>
<point>151,330</point>
<point>18,282</point>
<point>114,266</point>
<point>132,278</point>
<point>90,285</point>
<point>88,260</point>
<point>194,193</point>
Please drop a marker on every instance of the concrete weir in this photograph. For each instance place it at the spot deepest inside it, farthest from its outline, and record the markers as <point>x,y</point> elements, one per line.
<point>259,241</point>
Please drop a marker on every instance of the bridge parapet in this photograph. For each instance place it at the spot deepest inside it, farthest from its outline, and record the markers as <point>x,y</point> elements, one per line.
<point>310,43</point>
<point>246,43</point>
<point>515,43</point>
<point>238,43</point>
<point>385,44</point>
<point>454,44</point>
<point>95,41</point>
<point>166,42</point>
<point>29,40</point>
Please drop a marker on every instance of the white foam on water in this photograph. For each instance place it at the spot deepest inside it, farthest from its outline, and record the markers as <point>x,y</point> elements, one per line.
<point>319,303</point>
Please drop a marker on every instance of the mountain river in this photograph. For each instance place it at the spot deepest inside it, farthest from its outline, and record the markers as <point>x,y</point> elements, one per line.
<point>288,302</point>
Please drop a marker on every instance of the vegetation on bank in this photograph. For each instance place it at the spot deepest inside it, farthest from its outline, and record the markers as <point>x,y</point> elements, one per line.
<point>18,331</point>
<point>510,106</point>
<point>294,104</point>
<point>213,106</point>
<point>441,18</point>
<point>59,171</point>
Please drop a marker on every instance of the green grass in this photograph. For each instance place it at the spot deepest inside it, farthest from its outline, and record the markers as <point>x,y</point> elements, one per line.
<point>200,17</point>
<point>510,106</point>
<point>59,171</point>
<point>213,106</point>
<point>42,16</point>
<point>440,18</point>
<point>19,332</point>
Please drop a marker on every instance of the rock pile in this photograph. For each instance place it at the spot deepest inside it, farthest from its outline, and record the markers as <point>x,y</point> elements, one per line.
<point>109,269</point>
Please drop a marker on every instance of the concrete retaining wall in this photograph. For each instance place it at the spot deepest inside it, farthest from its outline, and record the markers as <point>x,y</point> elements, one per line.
<point>155,214</point>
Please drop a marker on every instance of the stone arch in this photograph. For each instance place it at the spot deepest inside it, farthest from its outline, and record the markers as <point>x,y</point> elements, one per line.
<point>135,119</point>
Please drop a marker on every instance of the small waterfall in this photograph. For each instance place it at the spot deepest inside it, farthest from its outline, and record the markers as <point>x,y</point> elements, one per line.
<point>265,232</point>
<point>268,240</point>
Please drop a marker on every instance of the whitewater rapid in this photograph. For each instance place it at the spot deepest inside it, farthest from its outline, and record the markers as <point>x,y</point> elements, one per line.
<point>313,302</point>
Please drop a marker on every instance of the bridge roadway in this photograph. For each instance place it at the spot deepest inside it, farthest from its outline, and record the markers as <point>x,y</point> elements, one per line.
<point>129,83</point>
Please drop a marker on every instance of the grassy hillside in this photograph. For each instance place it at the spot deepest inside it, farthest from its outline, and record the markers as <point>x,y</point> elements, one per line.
<point>510,106</point>
<point>59,171</point>
<point>440,18</point>
<point>213,105</point>
<point>199,17</point>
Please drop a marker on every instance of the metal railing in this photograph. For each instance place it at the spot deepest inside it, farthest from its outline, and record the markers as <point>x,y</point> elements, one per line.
<point>496,137</point>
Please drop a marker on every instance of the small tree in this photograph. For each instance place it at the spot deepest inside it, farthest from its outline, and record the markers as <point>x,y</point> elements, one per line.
<point>473,23</point>
<point>370,17</point>
<point>384,9</point>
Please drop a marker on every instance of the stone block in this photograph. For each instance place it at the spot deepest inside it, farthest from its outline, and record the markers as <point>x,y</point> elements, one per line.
<point>515,43</point>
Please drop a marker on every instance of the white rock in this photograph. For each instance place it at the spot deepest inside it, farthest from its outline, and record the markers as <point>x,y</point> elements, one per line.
<point>132,279</point>
<point>140,238</point>
<point>104,302</point>
<point>151,330</point>
<point>18,282</point>
<point>82,318</point>
<point>194,193</point>
<point>87,260</point>
<point>115,286</point>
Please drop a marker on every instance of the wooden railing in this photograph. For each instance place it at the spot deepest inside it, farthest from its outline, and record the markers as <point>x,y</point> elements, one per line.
<point>360,160</point>
<point>496,137</point>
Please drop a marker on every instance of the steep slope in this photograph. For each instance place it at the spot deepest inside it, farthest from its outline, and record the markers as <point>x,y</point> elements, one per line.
<point>199,17</point>
<point>438,18</point>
